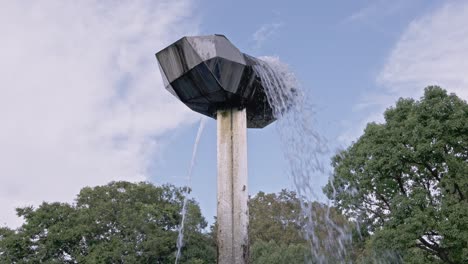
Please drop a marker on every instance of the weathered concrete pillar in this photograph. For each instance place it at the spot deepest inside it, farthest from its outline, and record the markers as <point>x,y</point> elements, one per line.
<point>232,213</point>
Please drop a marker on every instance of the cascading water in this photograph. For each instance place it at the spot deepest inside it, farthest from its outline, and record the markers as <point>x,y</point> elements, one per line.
<point>306,151</point>
<point>180,237</point>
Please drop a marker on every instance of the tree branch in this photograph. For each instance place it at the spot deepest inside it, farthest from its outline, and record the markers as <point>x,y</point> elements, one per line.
<point>457,188</point>
<point>435,249</point>
<point>384,200</point>
<point>399,180</point>
<point>434,172</point>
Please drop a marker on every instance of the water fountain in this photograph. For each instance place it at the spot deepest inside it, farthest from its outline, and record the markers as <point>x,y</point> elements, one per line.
<point>212,77</point>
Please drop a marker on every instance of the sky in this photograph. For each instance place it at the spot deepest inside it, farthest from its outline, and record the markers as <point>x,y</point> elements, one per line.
<point>82,101</point>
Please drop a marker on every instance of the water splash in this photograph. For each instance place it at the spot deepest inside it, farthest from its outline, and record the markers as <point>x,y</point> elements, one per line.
<point>180,237</point>
<point>306,152</point>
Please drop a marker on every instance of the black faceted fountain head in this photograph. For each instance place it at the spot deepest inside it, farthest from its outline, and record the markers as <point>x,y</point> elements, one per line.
<point>208,73</point>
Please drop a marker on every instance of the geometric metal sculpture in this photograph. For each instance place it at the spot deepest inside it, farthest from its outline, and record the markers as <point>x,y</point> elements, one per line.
<point>208,73</point>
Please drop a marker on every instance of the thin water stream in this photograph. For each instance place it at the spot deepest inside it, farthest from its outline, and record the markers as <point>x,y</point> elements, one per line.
<point>180,237</point>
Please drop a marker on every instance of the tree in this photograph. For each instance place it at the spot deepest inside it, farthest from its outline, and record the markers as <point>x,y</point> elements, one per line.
<point>277,226</point>
<point>406,180</point>
<point>275,217</point>
<point>275,229</point>
<point>120,222</point>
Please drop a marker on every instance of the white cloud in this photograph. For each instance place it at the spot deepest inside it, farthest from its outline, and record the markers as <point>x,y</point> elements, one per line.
<point>81,98</point>
<point>433,50</point>
<point>264,33</point>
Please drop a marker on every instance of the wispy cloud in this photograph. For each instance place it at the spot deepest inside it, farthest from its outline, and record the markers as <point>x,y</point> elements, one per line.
<point>433,50</point>
<point>264,33</point>
<point>381,10</point>
<point>376,9</point>
<point>375,14</point>
<point>81,99</point>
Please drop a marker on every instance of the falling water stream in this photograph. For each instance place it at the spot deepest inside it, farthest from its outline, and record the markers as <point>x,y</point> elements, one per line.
<point>306,152</point>
<point>180,237</point>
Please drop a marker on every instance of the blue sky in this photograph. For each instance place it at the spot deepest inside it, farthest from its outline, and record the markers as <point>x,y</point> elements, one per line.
<point>83,102</point>
<point>336,50</point>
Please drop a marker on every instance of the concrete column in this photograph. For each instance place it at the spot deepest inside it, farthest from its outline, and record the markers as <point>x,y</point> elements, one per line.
<point>232,213</point>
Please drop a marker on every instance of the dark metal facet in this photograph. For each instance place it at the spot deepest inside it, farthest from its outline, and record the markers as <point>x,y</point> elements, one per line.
<point>196,82</point>
<point>227,73</point>
<point>204,45</point>
<point>208,73</point>
<point>177,59</point>
<point>225,49</point>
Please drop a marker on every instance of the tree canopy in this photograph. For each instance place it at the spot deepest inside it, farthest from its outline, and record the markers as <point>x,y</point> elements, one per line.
<point>120,222</point>
<point>406,181</point>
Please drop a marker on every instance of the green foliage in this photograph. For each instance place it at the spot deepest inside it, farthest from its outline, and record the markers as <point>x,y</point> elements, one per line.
<point>277,227</point>
<point>137,223</point>
<point>273,252</point>
<point>275,217</point>
<point>406,181</point>
<point>120,222</point>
